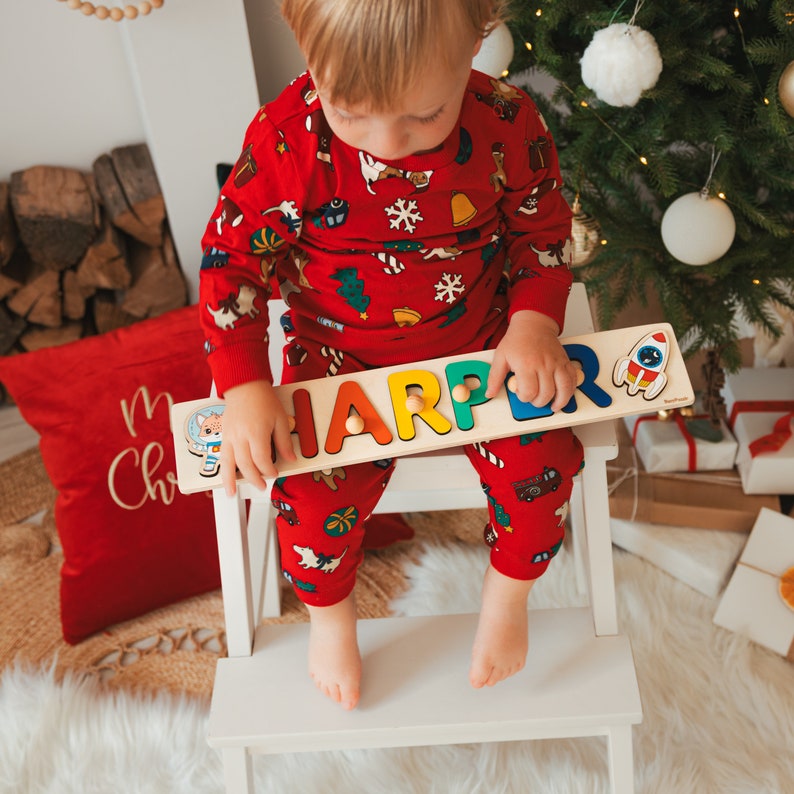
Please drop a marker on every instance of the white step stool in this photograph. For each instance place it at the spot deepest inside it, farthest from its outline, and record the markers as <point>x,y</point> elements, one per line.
<point>579,679</point>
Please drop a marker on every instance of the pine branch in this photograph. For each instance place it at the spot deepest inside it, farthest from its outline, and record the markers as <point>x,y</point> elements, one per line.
<point>717,90</point>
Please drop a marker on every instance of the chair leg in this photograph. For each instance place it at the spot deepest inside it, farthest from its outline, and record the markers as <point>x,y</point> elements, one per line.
<point>238,771</point>
<point>578,536</point>
<point>621,759</point>
<point>232,533</point>
<point>595,497</point>
<point>271,597</point>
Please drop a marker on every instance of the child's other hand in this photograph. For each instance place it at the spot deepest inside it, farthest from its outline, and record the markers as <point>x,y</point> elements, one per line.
<point>531,350</point>
<point>254,423</point>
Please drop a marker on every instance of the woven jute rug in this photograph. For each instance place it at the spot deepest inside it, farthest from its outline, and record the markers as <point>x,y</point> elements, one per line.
<point>172,649</point>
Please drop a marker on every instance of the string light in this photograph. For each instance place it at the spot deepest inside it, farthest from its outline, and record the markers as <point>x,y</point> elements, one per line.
<point>583,104</point>
<point>539,12</point>
<point>739,27</point>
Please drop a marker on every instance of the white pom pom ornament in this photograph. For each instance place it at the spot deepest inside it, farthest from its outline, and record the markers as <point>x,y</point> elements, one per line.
<point>620,63</point>
<point>698,230</point>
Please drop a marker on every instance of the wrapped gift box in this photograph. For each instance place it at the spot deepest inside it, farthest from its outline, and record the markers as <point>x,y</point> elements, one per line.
<point>753,603</point>
<point>666,445</point>
<point>755,399</point>
<point>703,500</point>
<point>700,558</point>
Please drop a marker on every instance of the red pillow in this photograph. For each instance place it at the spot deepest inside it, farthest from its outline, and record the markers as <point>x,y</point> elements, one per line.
<point>131,541</point>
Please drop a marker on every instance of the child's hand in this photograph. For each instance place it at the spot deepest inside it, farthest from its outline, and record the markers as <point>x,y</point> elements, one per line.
<point>254,423</point>
<point>532,351</point>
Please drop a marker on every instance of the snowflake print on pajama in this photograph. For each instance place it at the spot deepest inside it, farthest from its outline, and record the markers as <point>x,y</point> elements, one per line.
<point>449,288</point>
<point>404,215</point>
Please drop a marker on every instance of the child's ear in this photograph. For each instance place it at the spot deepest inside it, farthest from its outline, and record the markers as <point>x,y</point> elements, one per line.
<point>477,46</point>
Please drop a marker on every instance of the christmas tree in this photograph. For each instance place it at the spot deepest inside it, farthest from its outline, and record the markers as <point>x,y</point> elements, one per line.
<point>717,122</point>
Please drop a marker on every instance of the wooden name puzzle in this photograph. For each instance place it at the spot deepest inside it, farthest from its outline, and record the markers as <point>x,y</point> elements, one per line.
<point>402,410</point>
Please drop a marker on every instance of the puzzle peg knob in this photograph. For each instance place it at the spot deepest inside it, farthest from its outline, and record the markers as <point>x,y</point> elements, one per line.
<point>461,393</point>
<point>414,403</point>
<point>354,424</point>
<point>579,376</point>
<point>291,423</point>
<point>512,383</point>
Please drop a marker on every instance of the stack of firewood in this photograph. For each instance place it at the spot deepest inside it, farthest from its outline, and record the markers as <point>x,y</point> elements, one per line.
<point>84,253</point>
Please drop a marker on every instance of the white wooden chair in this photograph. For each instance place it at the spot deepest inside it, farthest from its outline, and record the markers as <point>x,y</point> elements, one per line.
<point>579,679</point>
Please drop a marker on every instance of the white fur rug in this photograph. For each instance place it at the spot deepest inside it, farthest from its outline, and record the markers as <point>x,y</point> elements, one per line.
<point>718,715</point>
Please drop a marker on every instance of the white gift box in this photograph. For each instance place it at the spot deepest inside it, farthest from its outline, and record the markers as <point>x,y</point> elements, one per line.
<point>752,604</point>
<point>745,392</point>
<point>663,447</point>
<point>701,558</point>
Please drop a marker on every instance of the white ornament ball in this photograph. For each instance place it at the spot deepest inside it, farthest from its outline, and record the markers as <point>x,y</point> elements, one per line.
<point>495,53</point>
<point>697,229</point>
<point>620,63</point>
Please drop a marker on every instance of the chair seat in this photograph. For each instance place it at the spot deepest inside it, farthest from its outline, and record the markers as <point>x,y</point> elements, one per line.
<point>415,689</point>
<point>423,482</point>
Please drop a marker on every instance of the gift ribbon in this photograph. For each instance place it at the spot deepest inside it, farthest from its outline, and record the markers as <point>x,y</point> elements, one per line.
<point>772,442</point>
<point>759,406</point>
<point>781,432</point>
<point>688,437</point>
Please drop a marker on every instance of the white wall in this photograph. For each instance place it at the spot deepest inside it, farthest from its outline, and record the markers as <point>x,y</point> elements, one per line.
<point>182,79</point>
<point>277,59</point>
<point>66,95</point>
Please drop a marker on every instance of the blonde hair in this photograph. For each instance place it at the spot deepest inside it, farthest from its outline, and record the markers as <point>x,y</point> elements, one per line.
<point>367,52</point>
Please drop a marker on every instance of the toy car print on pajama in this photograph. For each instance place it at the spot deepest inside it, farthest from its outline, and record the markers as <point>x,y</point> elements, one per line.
<point>385,263</point>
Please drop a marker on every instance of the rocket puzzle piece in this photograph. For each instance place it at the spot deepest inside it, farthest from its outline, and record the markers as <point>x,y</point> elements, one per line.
<point>644,367</point>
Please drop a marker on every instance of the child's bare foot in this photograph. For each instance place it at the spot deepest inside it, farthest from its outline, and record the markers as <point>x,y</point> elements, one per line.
<point>334,658</point>
<point>500,645</point>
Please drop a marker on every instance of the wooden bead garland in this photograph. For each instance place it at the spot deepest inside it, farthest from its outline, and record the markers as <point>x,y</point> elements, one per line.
<point>116,13</point>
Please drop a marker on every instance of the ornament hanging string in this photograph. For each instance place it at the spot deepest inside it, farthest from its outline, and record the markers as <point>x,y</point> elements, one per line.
<point>715,158</point>
<point>637,6</point>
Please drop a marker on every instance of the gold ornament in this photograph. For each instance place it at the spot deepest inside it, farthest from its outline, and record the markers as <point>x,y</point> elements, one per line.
<point>785,89</point>
<point>586,234</point>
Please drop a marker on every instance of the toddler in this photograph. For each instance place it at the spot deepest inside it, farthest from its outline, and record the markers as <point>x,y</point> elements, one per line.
<point>408,208</point>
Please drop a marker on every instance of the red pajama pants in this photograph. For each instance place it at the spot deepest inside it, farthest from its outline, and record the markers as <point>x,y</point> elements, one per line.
<point>322,516</point>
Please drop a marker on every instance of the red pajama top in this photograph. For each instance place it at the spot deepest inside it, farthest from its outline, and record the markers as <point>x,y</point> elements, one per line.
<point>389,261</point>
